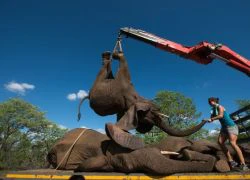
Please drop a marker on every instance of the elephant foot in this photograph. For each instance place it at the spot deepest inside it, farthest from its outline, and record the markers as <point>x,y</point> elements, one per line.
<point>196,156</point>
<point>106,55</point>
<point>222,166</point>
<point>123,138</point>
<point>117,55</point>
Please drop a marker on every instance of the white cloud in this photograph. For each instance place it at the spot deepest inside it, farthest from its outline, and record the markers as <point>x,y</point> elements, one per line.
<point>81,94</point>
<point>62,126</point>
<point>213,132</point>
<point>28,86</point>
<point>19,88</point>
<point>73,96</point>
<point>84,127</point>
<point>217,122</point>
<point>100,130</point>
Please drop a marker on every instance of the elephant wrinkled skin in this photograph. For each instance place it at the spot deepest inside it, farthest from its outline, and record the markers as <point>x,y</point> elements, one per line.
<point>117,95</point>
<point>96,152</point>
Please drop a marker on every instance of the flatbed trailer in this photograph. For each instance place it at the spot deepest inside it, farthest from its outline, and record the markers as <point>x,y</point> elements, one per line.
<point>59,174</point>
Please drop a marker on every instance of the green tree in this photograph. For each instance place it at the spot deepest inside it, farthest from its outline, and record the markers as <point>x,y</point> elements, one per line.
<point>243,103</point>
<point>25,135</point>
<point>182,114</point>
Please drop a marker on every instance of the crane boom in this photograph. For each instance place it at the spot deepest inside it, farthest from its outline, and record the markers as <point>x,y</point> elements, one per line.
<point>203,53</point>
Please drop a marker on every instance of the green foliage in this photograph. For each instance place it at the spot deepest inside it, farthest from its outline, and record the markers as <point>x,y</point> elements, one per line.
<point>213,136</point>
<point>243,136</point>
<point>155,135</point>
<point>242,103</point>
<point>181,109</point>
<point>25,135</point>
<point>182,113</point>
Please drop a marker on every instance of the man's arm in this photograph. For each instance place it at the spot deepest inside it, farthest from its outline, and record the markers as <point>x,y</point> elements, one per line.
<point>219,116</point>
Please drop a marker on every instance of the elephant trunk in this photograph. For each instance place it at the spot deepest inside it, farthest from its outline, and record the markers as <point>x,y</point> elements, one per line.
<point>180,133</point>
<point>79,107</point>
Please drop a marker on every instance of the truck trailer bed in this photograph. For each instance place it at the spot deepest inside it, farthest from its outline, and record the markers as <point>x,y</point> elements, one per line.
<point>58,174</point>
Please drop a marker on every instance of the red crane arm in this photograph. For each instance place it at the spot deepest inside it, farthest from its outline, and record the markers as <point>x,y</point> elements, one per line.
<point>203,52</point>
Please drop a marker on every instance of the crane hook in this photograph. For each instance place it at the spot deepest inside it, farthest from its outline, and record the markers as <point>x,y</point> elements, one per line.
<point>118,45</point>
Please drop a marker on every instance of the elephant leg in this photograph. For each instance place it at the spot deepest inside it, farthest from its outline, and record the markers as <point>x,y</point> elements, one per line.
<point>123,71</point>
<point>106,59</point>
<point>195,156</point>
<point>109,71</point>
<point>221,164</point>
<point>150,160</point>
<point>105,72</point>
<point>98,163</point>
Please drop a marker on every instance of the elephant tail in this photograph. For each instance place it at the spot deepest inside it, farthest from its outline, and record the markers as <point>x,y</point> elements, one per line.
<point>79,107</point>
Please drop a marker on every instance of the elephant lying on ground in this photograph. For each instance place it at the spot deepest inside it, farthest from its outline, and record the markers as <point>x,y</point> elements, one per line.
<point>96,152</point>
<point>117,95</point>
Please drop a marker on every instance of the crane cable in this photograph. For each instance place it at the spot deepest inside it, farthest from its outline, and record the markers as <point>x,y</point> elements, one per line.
<point>118,44</point>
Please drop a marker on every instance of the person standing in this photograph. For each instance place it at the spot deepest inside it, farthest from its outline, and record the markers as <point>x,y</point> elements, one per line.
<point>229,130</point>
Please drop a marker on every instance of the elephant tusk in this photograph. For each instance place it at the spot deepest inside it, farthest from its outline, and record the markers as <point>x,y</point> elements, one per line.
<point>164,115</point>
<point>169,153</point>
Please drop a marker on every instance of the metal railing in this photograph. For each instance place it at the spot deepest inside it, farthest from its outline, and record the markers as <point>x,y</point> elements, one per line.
<point>242,119</point>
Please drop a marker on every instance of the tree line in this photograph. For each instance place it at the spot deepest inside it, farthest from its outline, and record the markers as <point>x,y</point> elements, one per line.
<point>26,135</point>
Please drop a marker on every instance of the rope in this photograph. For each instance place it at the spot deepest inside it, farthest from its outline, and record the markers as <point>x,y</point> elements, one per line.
<point>70,148</point>
<point>118,44</point>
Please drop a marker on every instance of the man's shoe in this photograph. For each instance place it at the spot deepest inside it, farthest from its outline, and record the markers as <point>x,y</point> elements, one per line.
<point>233,164</point>
<point>243,167</point>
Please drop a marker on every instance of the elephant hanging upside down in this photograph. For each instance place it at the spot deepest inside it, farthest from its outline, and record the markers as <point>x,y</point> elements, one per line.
<point>117,95</point>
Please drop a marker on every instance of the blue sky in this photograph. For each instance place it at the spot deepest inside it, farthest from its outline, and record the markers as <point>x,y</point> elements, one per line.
<point>52,49</point>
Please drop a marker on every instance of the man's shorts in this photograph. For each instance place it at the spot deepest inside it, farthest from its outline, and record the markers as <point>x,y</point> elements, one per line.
<point>229,130</point>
